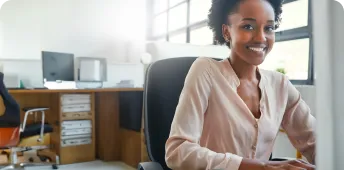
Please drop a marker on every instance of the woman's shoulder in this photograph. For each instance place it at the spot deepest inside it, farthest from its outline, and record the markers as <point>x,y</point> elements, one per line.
<point>207,63</point>
<point>205,67</point>
<point>274,78</point>
<point>207,60</point>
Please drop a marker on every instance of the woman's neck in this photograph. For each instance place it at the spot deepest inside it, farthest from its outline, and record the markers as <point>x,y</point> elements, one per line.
<point>243,70</point>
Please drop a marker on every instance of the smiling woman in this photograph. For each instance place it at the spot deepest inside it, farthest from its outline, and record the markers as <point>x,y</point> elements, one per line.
<point>230,111</point>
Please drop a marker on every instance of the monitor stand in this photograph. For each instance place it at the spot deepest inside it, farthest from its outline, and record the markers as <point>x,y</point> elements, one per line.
<point>89,84</point>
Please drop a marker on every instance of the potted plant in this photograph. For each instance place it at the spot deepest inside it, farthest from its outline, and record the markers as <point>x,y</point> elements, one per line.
<point>281,70</point>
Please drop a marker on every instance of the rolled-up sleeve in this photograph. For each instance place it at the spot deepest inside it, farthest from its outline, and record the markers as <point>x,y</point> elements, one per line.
<point>182,147</point>
<point>299,124</point>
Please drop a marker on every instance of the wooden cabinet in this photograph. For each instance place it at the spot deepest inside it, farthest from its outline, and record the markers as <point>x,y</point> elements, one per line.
<point>77,128</point>
<point>109,142</point>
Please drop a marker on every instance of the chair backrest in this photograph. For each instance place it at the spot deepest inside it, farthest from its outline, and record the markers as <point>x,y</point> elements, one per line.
<point>10,119</point>
<point>164,82</point>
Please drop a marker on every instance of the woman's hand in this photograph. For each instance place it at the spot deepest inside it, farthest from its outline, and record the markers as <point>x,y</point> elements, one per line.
<point>289,165</point>
<point>283,167</point>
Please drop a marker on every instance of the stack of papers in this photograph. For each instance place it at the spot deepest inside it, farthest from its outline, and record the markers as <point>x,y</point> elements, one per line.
<point>76,103</point>
<point>76,132</point>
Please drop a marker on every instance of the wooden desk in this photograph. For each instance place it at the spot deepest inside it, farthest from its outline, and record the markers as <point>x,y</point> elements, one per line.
<point>109,141</point>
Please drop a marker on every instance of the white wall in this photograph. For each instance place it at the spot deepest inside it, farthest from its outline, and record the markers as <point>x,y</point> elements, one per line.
<point>113,29</point>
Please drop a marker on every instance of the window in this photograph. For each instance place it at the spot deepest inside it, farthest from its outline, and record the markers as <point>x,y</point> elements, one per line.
<point>160,24</point>
<point>201,36</point>
<point>162,39</point>
<point>159,6</point>
<point>292,19</point>
<point>185,21</point>
<point>181,21</point>
<point>177,17</point>
<point>292,56</point>
<point>174,2</point>
<point>199,10</point>
<point>179,38</point>
<point>293,48</point>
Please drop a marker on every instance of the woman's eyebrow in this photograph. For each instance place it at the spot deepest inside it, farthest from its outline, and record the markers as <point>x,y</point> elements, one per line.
<point>248,19</point>
<point>252,19</point>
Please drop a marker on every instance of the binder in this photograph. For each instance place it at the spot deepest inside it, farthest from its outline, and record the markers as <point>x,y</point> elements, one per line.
<point>76,124</point>
<point>76,131</point>
<point>76,136</point>
<point>76,108</point>
<point>73,142</point>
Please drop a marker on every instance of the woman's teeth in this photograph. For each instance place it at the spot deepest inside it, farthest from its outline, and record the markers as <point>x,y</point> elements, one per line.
<point>256,49</point>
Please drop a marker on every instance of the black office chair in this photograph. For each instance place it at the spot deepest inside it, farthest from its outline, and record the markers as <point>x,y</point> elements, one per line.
<point>164,82</point>
<point>12,132</point>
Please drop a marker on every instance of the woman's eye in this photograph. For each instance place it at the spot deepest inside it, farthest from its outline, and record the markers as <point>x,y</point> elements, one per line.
<point>270,29</point>
<point>248,27</point>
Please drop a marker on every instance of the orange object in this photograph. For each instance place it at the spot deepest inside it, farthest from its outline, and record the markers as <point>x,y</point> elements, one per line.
<point>298,155</point>
<point>9,137</point>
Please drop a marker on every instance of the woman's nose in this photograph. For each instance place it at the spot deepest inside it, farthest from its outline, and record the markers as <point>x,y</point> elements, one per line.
<point>260,36</point>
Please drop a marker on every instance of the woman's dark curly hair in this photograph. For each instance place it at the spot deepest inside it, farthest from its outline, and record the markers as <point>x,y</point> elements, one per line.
<point>220,9</point>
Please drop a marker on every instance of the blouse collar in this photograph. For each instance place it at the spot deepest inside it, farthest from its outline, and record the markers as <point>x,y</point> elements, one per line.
<point>234,77</point>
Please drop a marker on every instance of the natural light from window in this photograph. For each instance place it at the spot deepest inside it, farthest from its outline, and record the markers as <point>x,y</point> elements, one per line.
<point>201,36</point>
<point>179,38</point>
<point>177,17</point>
<point>159,6</point>
<point>293,56</point>
<point>199,10</point>
<point>160,24</point>
<point>174,2</point>
<point>294,15</point>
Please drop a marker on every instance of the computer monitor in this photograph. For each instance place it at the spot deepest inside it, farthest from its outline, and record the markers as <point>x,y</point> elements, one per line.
<point>57,66</point>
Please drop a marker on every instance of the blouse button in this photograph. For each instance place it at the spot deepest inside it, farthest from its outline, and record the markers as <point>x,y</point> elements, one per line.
<point>256,125</point>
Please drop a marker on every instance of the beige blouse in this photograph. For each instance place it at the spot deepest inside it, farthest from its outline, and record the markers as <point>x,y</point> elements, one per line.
<point>214,129</point>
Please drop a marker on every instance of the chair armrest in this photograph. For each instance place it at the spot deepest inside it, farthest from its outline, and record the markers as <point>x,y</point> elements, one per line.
<point>34,111</point>
<point>149,166</point>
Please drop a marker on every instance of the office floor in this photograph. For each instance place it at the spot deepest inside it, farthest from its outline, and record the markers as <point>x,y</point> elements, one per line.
<point>98,165</point>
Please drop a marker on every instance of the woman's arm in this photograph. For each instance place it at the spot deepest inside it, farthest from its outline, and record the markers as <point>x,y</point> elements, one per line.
<point>299,124</point>
<point>248,164</point>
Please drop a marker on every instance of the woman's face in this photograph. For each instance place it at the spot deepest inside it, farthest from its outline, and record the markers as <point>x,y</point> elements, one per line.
<point>251,31</point>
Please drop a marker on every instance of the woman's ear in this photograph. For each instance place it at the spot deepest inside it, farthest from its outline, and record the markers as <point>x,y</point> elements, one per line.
<point>226,33</point>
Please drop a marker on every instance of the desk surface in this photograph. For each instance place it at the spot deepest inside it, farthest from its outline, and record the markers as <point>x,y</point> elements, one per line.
<point>73,90</point>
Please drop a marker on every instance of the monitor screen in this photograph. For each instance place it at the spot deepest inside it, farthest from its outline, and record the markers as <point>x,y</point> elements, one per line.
<point>57,66</point>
